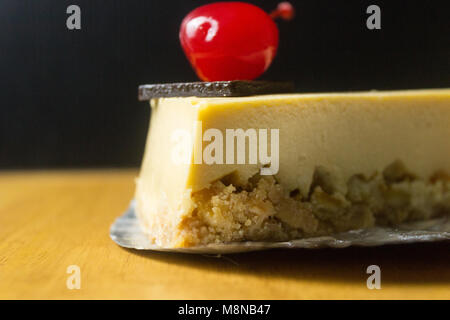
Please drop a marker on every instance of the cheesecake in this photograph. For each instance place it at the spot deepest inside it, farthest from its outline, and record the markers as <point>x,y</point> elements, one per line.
<point>286,166</point>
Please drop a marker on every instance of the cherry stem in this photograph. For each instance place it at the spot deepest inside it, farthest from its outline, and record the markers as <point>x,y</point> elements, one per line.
<point>284,10</point>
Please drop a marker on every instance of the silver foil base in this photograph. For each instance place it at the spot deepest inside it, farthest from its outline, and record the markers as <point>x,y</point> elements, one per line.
<point>126,232</point>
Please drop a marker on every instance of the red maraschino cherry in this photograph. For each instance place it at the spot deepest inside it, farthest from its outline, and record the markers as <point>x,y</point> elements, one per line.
<point>231,40</point>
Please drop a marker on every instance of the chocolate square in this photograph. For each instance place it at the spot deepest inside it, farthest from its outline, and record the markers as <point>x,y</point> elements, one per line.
<point>236,88</point>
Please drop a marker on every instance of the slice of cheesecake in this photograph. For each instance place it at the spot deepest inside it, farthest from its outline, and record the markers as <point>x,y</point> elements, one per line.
<point>281,167</point>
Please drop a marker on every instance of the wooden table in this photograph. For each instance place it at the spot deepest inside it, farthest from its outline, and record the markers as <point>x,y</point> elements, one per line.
<point>50,220</point>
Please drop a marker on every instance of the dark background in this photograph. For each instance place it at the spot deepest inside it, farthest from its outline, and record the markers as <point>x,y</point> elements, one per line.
<point>69,98</point>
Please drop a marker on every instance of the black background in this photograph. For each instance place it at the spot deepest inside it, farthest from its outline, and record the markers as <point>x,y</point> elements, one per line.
<point>69,98</point>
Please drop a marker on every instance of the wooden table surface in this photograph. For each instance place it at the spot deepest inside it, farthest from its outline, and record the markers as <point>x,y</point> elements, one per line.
<point>50,220</point>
